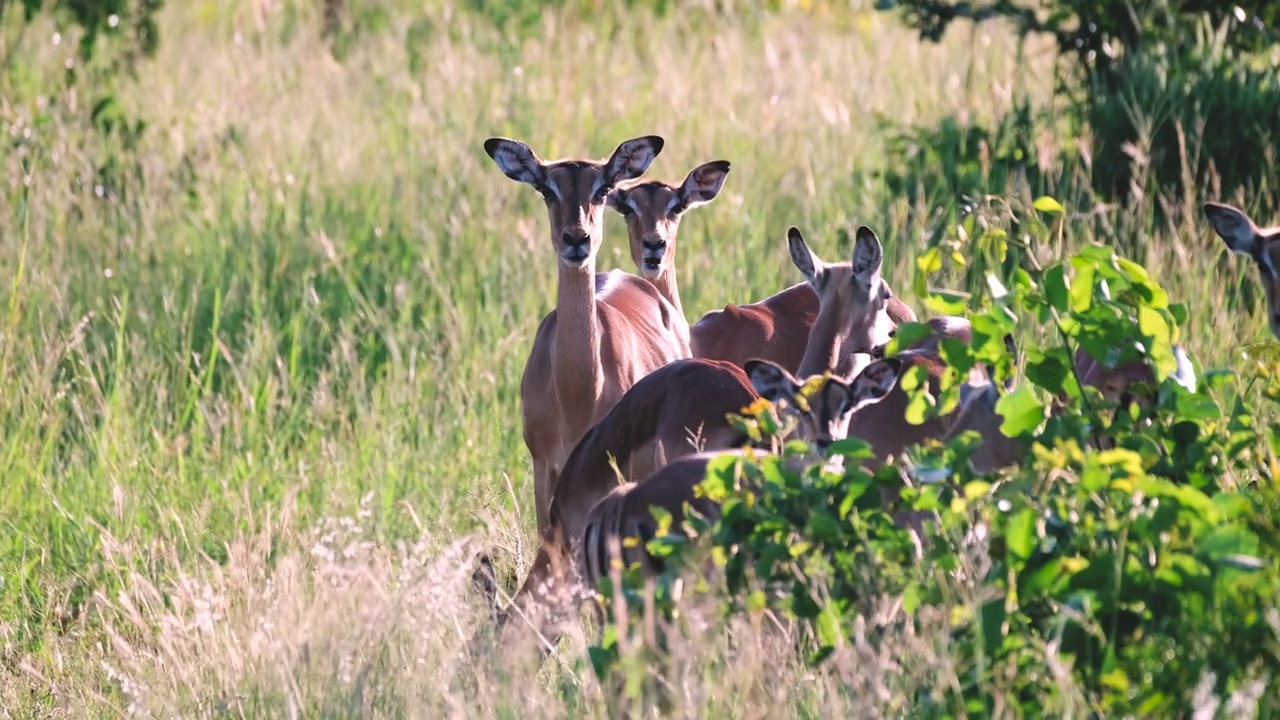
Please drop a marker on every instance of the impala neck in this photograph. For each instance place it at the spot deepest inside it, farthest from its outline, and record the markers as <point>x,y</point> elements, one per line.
<point>666,286</point>
<point>825,345</point>
<point>579,380</point>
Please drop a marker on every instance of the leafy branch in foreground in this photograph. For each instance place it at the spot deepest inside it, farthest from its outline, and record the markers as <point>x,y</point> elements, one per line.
<point>1133,548</point>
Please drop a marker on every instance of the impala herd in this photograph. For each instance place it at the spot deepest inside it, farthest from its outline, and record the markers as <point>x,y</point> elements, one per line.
<point>618,382</point>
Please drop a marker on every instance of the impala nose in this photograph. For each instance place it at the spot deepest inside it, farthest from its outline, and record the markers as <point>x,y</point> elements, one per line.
<point>576,245</point>
<point>654,251</point>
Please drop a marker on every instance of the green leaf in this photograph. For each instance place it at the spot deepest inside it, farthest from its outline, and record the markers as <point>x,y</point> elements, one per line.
<point>1055,287</point>
<point>1020,538</point>
<point>956,354</point>
<point>1046,204</point>
<point>1227,541</point>
<point>1152,324</point>
<point>930,261</point>
<point>906,335</point>
<point>918,405</point>
<point>1021,411</point>
<point>852,448</point>
<point>993,616</point>
<point>947,302</point>
<point>1096,252</point>
<point>1116,680</point>
<point>827,626</point>
<point>1135,271</point>
<point>1082,286</point>
<point>1049,372</point>
<point>911,598</point>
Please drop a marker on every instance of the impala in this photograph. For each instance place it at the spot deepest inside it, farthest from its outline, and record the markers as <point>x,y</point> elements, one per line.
<point>1131,382</point>
<point>652,210</point>
<point>607,330</point>
<point>676,410</point>
<point>856,307</point>
<point>1243,236</point>
<point>626,512</point>
<point>776,328</point>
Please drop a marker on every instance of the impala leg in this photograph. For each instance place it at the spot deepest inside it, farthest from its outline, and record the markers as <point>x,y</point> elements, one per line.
<point>544,483</point>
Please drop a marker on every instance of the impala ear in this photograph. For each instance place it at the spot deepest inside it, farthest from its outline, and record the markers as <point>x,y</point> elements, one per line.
<point>617,201</point>
<point>516,160</point>
<point>868,258</point>
<point>771,380</point>
<point>632,159</point>
<point>1234,227</point>
<point>703,183</point>
<point>875,381</point>
<point>809,264</point>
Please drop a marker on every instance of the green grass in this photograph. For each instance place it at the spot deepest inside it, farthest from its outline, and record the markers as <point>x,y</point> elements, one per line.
<point>312,300</point>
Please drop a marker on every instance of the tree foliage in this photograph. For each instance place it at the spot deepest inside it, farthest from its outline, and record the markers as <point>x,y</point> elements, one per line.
<point>134,20</point>
<point>1101,34</point>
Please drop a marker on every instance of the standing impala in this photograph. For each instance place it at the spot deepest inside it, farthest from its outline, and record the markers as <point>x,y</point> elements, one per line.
<point>652,210</point>
<point>607,331</point>
<point>776,328</point>
<point>1243,236</point>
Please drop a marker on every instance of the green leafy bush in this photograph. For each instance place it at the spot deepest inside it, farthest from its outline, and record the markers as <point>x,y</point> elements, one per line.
<point>1175,93</point>
<point>1132,551</point>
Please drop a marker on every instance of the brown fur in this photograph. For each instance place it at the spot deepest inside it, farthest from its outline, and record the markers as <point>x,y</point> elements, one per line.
<point>776,328</point>
<point>626,512</point>
<point>652,424</point>
<point>607,331</point>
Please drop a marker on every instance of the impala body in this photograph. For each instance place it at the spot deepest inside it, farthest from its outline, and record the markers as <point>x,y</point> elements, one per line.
<point>607,331</point>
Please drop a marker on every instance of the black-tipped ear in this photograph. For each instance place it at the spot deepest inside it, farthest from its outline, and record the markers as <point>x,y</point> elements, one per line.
<point>632,159</point>
<point>771,380</point>
<point>703,183</point>
<point>516,160</point>
<point>875,381</point>
<point>804,259</point>
<point>1234,227</point>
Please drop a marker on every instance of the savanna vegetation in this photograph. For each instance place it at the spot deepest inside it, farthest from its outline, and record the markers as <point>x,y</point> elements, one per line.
<point>267,302</point>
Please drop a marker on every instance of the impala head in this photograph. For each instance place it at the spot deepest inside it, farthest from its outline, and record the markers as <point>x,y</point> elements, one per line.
<point>653,210</point>
<point>852,295</point>
<point>574,190</point>
<point>831,408</point>
<point>1262,244</point>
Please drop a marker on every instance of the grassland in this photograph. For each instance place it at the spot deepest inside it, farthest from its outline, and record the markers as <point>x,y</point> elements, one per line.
<point>259,398</point>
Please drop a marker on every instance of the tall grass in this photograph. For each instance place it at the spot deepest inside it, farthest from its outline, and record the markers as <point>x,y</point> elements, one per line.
<point>259,377</point>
